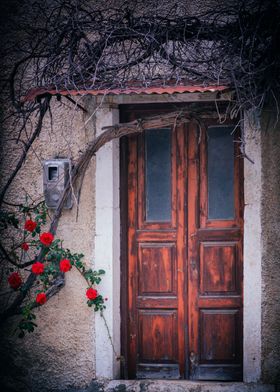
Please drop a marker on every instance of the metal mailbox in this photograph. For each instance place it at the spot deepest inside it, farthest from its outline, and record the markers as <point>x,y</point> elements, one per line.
<point>56,174</point>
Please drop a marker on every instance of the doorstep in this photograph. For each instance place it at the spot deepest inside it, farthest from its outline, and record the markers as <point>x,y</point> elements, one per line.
<point>176,386</point>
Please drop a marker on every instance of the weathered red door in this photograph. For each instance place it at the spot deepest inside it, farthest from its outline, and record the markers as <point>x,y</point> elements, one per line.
<point>184,253</point>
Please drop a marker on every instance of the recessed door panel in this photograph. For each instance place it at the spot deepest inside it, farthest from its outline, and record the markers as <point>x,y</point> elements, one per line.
<point>218,268</point>
<point>157,269</point>
<point>158,336</point>
<point>219,335</point>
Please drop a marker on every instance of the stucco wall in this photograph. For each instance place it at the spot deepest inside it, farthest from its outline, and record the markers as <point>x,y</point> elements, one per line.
<point>60,353</point>
<point>271,248</point>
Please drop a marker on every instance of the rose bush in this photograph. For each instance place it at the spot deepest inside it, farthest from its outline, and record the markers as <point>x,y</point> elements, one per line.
<point>24,246</point>
<point>41,298</point>
<point>30,225</point>
<point>15,280</point>
<point>65,265</point>
<point>37,268</point>
<point>46,239</point>
<point>91,293</point>
<point>43,260</point>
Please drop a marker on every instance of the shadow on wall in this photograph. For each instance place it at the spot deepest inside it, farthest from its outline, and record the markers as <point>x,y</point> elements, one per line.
<point>271,246</point>
<point>13,377</point>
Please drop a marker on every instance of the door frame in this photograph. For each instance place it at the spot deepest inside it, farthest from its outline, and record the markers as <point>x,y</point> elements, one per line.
<point>106,247</point>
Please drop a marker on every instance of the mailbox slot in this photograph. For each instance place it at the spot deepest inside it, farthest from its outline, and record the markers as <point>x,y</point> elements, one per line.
<point>53,173</point>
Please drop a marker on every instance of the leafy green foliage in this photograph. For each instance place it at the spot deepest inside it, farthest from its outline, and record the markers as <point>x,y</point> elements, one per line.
<point>97,303</point>
<point>49,258</point>
<point>26,324</point>
<point>8,219</point>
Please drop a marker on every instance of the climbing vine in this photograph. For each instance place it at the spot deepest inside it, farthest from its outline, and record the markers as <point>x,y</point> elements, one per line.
<point>33,252</point>
<point>65,48</point>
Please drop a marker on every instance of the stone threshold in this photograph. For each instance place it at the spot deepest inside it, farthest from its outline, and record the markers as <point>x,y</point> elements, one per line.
<point>173,386</point>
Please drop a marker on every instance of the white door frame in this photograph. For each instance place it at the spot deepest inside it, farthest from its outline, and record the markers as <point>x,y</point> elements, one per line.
<point>107,240</point>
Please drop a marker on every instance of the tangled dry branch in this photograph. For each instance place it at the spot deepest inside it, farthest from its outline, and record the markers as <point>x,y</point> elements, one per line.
<point>110,133</point>
<point>81,45</point>
<point>88,45</point>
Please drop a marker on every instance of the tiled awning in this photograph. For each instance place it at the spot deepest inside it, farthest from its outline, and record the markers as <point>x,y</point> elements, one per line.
<point>179,89</point>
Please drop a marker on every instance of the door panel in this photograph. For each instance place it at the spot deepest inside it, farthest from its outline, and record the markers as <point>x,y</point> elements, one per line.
<point>156,252</point>
<point>215,254</point>
<point>184,253</point>
<point>218,268</point>
<point>157,329</point>
<point>157,269</point>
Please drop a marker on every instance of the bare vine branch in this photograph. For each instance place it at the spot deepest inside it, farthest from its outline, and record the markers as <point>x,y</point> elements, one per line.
<point>110,133</point>
<point>71,45</point>
<point>43,109</point>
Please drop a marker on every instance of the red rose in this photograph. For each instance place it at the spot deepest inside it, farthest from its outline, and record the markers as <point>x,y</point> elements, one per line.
<point>25,246</point>
<point>37,268</point>
<point>64,265</point>
<point>46,238</point>
<point>91,293</point>
<point>15,280</point>
<point>41,298</point>
<point>30,225</point>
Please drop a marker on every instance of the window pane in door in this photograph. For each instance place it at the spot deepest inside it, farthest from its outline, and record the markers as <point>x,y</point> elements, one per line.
<point>220,173</point>
<point>158,175</point>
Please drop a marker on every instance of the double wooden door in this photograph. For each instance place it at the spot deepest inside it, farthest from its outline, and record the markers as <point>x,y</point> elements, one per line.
<point>183,268</point>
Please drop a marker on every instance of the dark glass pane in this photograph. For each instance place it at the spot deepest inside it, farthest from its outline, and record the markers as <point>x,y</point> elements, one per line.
<point>158,175</point>
<point>220,173</point>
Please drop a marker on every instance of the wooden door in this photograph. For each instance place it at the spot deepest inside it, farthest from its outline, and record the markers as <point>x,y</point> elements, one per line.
<point>184,252</point>
<point>215,232</point>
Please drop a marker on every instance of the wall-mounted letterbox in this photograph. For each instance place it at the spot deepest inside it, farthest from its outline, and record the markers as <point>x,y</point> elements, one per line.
<point>55,178</point>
